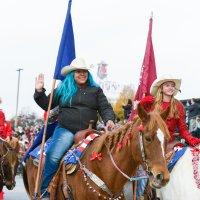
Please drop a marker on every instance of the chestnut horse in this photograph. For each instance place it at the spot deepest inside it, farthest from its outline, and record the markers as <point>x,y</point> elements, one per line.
<point>119,153</point>
<point>8,162</point>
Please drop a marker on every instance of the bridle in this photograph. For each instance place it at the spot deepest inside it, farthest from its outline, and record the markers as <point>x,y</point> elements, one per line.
<point>144,160</point>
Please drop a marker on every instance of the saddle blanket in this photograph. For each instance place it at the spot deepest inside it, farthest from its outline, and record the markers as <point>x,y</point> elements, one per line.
<point>71,156</point>
<point>177,155</point>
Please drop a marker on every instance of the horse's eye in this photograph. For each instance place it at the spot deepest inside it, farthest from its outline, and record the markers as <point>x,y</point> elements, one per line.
<point>148,138</point>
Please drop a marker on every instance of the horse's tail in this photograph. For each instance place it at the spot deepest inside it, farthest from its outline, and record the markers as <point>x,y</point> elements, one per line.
<point>25,180</point>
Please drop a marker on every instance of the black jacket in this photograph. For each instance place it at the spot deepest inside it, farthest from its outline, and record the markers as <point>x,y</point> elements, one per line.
<point>82,108</point>
<point>127,110</point>
<point>194,110</point>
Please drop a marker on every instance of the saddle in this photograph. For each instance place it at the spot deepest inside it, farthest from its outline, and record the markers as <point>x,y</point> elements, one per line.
<point>81,135</point>
<point>78,138</point>
<point>67,169</point>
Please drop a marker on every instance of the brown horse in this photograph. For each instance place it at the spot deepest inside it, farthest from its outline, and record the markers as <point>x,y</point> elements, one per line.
<point>119,153</point>
<point>8,162</point>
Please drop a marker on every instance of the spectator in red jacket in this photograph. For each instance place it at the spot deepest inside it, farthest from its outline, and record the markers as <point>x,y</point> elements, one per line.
<point>5,127</point>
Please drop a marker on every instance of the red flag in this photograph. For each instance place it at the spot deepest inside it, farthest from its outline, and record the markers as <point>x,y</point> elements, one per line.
<point>148,71</point>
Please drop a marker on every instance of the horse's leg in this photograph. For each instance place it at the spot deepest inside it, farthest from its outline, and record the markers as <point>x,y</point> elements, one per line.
<point>29,176</point>
<point>78,192</point>
<point>25,179</point>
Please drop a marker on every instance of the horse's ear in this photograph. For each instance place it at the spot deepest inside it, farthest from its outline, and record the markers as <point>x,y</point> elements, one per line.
<point>165,113</point>
<point>143,115</point>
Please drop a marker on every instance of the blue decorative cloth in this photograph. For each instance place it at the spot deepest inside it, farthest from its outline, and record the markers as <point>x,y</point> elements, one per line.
<point>177,155</point>
<point>36,152</point>
<point>69,157</point>
<point>38,140</point>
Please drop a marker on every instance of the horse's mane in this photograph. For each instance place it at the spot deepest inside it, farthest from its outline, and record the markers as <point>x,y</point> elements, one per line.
<point>122,135</point>
<point>112,138</point>
<point>156,121</point>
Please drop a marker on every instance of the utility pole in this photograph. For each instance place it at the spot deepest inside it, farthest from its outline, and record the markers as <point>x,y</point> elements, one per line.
<point>17,102</point>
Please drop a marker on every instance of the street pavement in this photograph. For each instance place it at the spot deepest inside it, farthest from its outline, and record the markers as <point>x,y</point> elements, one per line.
<point>18,193</point>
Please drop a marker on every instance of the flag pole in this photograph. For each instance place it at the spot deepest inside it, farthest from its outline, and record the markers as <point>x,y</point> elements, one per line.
<point>151,14</point>
<point>148,70</point>
<point>65,56</point>
<point>37,183</point>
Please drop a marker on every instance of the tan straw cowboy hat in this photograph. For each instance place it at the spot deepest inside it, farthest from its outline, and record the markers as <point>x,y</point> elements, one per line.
<point>159,81</point>
<point>77,63</point>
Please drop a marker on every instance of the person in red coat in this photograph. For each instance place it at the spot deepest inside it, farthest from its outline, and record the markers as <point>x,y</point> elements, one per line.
<point>5,127</point>
<point>163,91</point>
<point>5,133</point>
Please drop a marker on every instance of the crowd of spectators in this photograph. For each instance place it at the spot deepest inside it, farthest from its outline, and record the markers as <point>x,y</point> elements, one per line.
<point>27,127</point>
<point>192,107</point>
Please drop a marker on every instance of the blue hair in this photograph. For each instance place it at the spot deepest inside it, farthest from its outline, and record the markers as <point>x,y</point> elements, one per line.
<point>68,87</point>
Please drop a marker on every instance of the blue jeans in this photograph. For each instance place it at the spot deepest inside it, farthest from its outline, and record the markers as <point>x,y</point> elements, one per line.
<point>141,185</point>
<point>62,140</point>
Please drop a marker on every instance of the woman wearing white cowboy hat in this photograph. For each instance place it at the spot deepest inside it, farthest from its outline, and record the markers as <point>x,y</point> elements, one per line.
<point>79,99</point>
<point>163,91</point>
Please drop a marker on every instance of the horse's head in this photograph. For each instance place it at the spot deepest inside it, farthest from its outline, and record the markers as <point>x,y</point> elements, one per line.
<point>8,164</point>
<point>14,143</point>
<point>153,135</point>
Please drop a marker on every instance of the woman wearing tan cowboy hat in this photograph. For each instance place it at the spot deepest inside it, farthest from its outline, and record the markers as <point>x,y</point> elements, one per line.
<point>163,91</point>
<point>79,99</point>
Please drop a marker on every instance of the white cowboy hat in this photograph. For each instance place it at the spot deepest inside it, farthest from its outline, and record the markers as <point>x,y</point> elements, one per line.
<point>77,63</point>
<point>159,81</point>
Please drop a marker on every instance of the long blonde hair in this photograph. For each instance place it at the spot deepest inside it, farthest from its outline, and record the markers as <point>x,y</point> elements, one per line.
<point>158,102</point>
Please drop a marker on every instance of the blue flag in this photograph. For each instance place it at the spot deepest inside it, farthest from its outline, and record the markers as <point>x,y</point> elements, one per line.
<point>66,51</point>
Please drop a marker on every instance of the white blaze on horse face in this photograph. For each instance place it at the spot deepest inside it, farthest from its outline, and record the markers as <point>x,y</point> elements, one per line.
<point>161,137</point>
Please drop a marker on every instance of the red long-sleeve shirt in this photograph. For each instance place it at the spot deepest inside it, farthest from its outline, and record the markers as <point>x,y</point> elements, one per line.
<point>172,122</point>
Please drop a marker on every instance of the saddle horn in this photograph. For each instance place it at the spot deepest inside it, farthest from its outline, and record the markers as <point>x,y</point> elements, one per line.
<point>90,124</point>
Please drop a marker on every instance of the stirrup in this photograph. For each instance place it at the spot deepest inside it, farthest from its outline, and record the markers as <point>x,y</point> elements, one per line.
<point>141,198</point>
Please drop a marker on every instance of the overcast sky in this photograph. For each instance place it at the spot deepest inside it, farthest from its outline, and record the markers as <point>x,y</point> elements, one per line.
<point>111,30</point>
